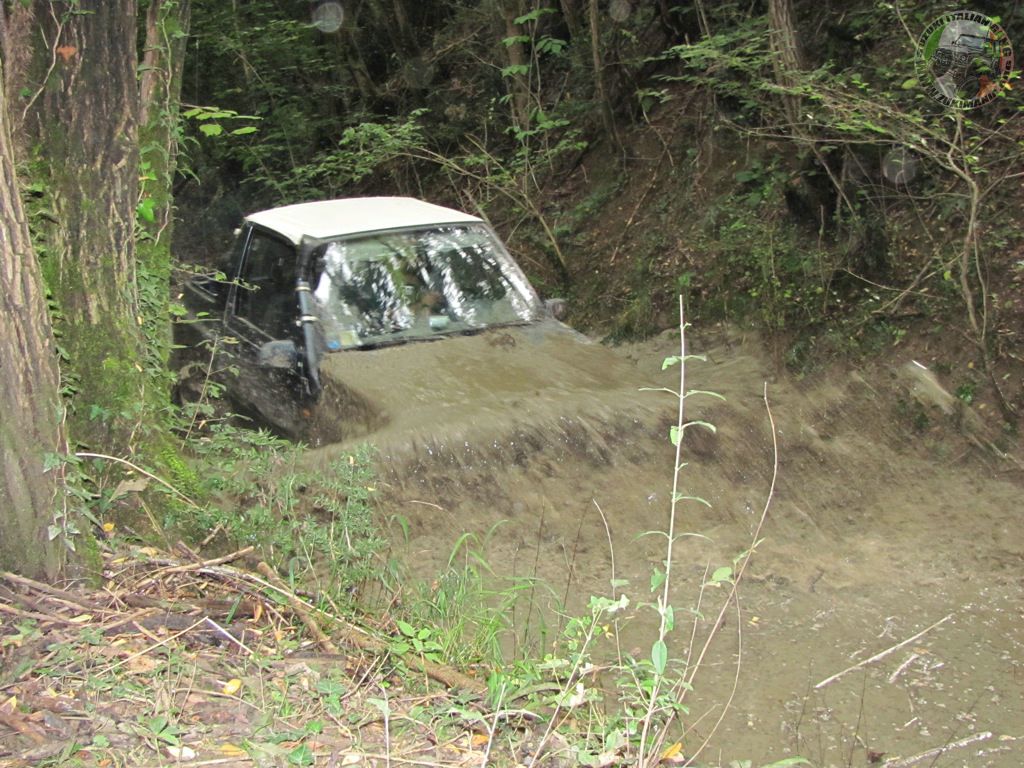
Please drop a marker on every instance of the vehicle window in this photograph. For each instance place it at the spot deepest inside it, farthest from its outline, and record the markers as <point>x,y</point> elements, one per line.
<point>266,294</point>
<point>393,286</point>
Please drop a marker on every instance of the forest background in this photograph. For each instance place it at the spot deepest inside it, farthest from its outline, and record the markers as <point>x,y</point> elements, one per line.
<point>778,164</point>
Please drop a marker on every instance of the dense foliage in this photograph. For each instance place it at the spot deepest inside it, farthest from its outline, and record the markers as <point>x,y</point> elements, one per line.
<point>759,192</point>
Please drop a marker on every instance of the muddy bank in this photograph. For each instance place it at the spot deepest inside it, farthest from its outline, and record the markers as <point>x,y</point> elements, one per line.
<point>878,528</point>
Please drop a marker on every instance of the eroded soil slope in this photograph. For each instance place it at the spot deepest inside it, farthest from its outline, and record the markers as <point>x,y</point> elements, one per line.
<point>888,516</point>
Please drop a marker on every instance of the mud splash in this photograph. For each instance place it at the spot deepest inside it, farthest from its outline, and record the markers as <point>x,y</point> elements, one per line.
<point>875,532</point>
<point>501,398</point>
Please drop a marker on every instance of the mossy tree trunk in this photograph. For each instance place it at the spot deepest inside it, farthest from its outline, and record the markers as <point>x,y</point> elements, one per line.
<point>30,424</point>
<point>85,125</point>
<point>163,59</point>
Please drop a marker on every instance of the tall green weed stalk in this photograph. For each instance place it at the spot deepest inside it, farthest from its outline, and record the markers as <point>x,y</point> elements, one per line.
<point>603,706</point>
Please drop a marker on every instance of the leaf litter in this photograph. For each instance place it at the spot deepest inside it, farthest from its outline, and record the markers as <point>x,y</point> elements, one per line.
<point>179,660</point>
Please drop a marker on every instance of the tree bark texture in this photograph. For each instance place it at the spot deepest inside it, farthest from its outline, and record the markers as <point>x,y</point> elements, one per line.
<point>30,423</point>
<point>518,60</point>
<point>571,14</point>
<point>16,26</point>
<point>788,58</point>
<point>600,89</point>
<point>163,61</point>
<point>86,128</point>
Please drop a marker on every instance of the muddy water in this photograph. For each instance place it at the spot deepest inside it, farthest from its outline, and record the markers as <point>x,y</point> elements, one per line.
<point>874,533</point>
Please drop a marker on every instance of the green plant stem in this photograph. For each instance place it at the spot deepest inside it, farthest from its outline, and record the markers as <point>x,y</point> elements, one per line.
<point>687,682</point>
<point>673,505</point>
<point>140,470</point>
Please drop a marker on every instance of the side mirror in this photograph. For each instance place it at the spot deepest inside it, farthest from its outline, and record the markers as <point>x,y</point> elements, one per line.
<point>557,308</point>
<point>278,354</point>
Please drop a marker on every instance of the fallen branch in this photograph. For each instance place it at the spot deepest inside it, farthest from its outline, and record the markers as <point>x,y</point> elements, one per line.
<point>353,635</point>
<point>881,654</point>
<point>299,606</point>
<point>16,722</point>
<point>46,589</point>
<point>33,615</point>
<point>903,762</point>
<point>184,568</point>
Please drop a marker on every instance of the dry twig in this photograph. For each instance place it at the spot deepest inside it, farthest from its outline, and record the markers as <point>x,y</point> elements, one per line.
<point>882,654</point>
<point>903,762</point>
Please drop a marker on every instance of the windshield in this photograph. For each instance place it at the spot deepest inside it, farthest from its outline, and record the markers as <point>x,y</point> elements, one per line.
<point>396,286</point>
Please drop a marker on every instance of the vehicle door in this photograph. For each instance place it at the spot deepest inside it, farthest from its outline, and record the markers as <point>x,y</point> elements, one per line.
<point>262,307</point>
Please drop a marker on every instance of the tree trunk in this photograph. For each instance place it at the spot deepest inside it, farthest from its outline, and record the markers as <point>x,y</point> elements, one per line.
<point>163,62</point>
<point>30,426</point>
<point>518,63</point>
<point>788,59</point>
<point>16,25</point>
<point>571,14</point>
<point>405,30</point>
<point>600,90</point>
<point>86,125</point>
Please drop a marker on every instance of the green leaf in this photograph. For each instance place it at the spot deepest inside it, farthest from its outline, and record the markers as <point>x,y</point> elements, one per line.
<point>406,628</point>
<point>244,131</point>
<point>674,434</point>
<point>670,361</point>
<point>670,618</point>
<point>331,687</point>
<point>721,574</point>
<point>145,209</point>
<point>51,461</point>
<point>380,704</point>
<point>551,45</point>
<point>533,15</point>
<point>515,69</point>
<point>657,578</point>
<point>211,129</point>
<point>301,755</point>
<point>659,656</point>
<point>508,42</point>
<point>910,82</point>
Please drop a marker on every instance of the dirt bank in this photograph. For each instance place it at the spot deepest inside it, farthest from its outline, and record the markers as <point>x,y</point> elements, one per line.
<point>885,520</point>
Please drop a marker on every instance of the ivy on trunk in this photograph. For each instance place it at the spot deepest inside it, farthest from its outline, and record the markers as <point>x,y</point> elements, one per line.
<point>86,125</point>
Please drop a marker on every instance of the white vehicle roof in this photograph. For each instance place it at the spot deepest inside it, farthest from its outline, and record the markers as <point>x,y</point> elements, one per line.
<point>354,215</point>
